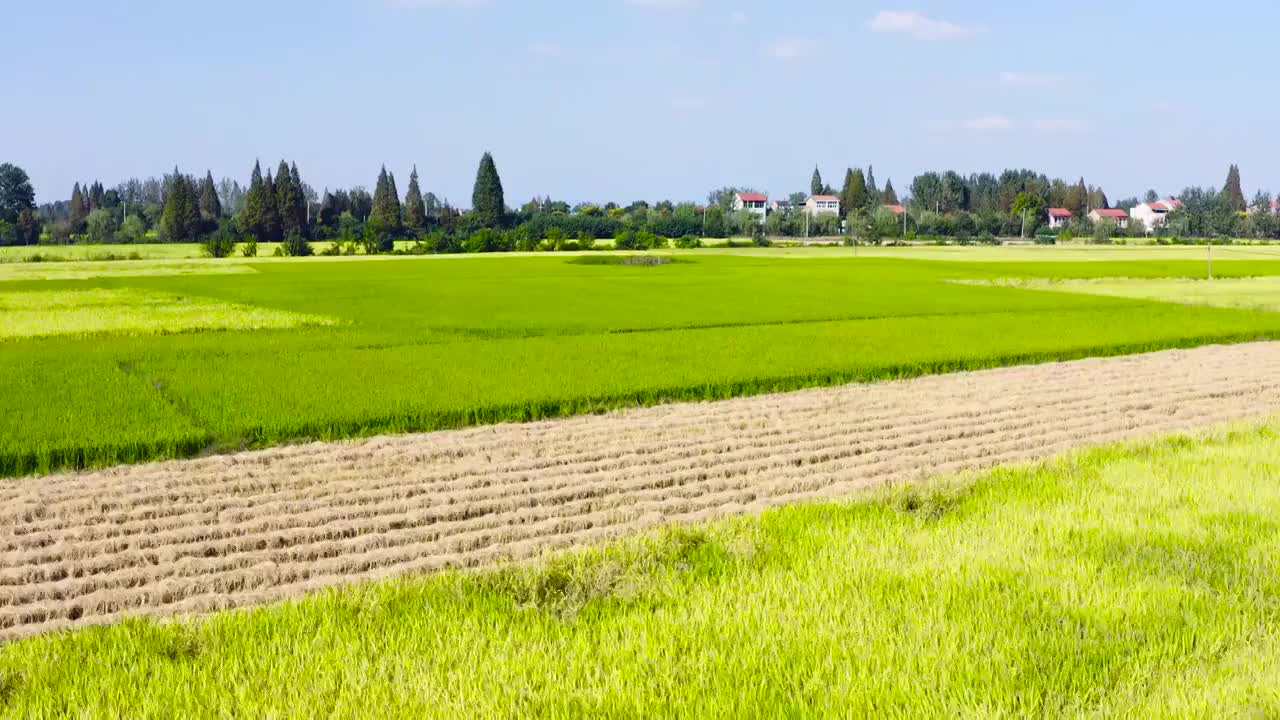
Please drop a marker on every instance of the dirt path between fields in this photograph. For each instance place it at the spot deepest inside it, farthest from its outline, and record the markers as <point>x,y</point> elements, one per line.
<point>230,531</point>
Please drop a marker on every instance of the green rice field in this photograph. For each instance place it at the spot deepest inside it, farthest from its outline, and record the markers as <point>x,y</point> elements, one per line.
<point>1134,581</point>
<point>410,344</point>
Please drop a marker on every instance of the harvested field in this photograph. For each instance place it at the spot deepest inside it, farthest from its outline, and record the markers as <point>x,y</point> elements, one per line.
<point>219,532</point>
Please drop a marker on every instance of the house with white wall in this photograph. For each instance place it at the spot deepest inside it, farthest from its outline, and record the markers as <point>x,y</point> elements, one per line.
<point>1119,217</point>
<point>1154,215</point>
<point>755,203</point>
<point>821,204</point>
<point>1059,217</point>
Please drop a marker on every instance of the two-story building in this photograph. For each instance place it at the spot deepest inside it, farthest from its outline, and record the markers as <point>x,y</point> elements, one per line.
<point>821,204</point>
<point>1154,215</point>
<point>1059,217</point>
<point>1119,217</point>
<point>755,203</point>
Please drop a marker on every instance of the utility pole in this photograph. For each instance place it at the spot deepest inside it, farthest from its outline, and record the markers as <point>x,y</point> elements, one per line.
<point>1209,247</point>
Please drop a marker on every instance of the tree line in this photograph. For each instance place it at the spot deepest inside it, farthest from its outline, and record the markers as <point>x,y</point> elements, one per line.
<point>281,208</point>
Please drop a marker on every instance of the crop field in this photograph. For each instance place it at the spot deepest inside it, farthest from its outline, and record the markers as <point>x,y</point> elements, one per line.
<point>1130,581</point>
<point>368,346</point>
<point>349,446</point>
<point>203,535</point>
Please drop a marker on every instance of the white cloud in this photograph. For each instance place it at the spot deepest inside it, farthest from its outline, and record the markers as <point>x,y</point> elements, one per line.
<point>795,47</point>
<point>545,50</point>
<point>1028,80</point>
<point>663,4</point>
<point>737,17</point>
<point>921,27</point>
<point>989,122</point>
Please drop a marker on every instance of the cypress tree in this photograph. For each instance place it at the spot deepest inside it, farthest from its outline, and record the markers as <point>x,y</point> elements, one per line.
<point>252,214</point>
<point>815,184</point>
<point>854,194</point>
<point>180,218</point>
<point>96,192</point>
<point>487,200</point>
<point>210,205</point>
<point>1078,199</point>
<point>889,196</point>
<point>288,200</point>
<point>385,214</point>
<point>271,228</point>
<point>873,192</point>
<point>78,209</point>
<point>1233,190</point>
<point>300,208</point>
<point>415,216</point>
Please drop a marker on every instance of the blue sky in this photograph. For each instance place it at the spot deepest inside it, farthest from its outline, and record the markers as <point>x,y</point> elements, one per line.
<point>598,100</point>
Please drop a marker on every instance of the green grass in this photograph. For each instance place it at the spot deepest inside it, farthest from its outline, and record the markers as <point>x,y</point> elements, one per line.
<point>428,343</point>
<point>1129,581</point>
<point>1242,293</point>
<point>43,313</point>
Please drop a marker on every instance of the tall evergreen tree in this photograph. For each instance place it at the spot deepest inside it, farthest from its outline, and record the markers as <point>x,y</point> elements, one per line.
<point>487,199</point>
<point>873,192</point>
<point>1077,200</point>
<point>385,214</point>
<point>1233,190</point>
<point>78,210</point>
<point>96,192</point>
<point>415,216</point>
<point>854,194</point>
<point>272,230</point>
<point>815,184</point>
<point>210,205</point>
<point>889,196</point>
<point>252,215</point>
<point>180,218</point>
<point>290,204</point>
<point>302,207</point>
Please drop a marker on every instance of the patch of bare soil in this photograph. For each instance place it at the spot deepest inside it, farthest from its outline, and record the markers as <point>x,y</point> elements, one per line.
<point>230,531</point>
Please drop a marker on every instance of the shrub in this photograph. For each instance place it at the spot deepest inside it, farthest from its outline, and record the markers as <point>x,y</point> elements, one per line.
<point>250,248</point>
<point>758,236</point>
<point>688,242</point>
<point>625,239</point>
<point>586,241</point>
<point>296,246</point>
<point>645,240</point>
<point>221,242</point>
<point>484,241</point>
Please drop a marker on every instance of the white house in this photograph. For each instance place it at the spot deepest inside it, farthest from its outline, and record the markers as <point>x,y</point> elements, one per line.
<point>1059,217</point>
<point>1154,215</point>
<point>820,204</point>
<point>779,205</point>
<point>755,203</point>
<point>1119,217</point>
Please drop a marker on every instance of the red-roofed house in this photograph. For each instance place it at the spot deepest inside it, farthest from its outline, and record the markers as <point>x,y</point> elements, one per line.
<point>1059,217</point>
<point>755,203</point>
<point>1155,215</point>
<point>1119,217</point>
<point>820,204</point>
<point>896,209</point>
